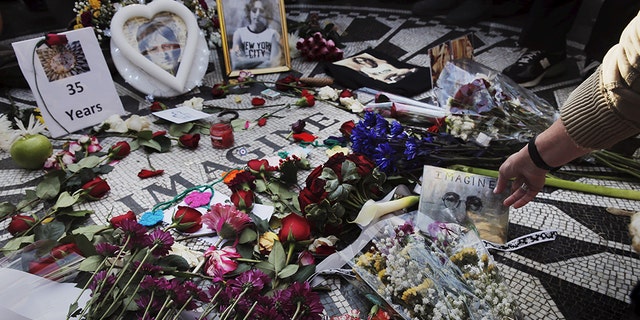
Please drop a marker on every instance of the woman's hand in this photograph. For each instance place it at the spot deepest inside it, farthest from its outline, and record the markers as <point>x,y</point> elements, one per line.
<point>528,179</point>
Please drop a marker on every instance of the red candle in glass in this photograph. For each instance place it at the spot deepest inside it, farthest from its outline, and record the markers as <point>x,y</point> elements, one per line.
<point>221,135</point>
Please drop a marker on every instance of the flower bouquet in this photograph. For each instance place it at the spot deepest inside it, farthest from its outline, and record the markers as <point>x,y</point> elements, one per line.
<point>443,272</point>
<point>486,106</point>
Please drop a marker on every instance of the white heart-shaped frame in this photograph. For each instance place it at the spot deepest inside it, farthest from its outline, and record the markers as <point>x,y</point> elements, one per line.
<point>149,11</point>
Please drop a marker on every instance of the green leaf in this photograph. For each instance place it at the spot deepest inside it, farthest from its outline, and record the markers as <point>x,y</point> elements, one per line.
<point>247,235</point>
<point>89,162</point>
<point>29,197</point>
<point>17,243</point>
<point>75,213</point>
<point>165,143</point>
<point>145,135</point>
<point>50,231</point>
<point>6,208</point>
<point>90,264</point>
<point>277,256</point>
<point>151,144</point>
<point>261,186</point>
<point>48,188</point>
<point>288,271</point>
<point>304,273</point>
<point>177,130</point>
<point>66,200</point>
<point>174,261</point>
<point>88,231</point>
<point>349,171</point>
<point>267,268</point>
<point>135,145</point>
<point>261,224</point>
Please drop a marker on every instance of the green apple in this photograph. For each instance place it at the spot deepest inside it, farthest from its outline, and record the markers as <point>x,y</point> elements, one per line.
<point>31,151</point>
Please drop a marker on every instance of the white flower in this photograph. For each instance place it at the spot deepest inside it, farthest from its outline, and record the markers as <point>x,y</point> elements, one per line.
<point>194,103</point>
<point>328,93</point>
<point>7,135</point>
<point>114,124</point>
<point>138,123</point>
<point>352,104</point>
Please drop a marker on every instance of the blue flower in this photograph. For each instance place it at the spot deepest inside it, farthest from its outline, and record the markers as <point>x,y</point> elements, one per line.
<point>384,157</point>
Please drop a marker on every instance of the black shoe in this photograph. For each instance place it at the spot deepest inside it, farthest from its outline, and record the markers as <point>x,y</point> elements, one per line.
<point>534,65</point>
<point>428,8</point>
<point>470,12</point>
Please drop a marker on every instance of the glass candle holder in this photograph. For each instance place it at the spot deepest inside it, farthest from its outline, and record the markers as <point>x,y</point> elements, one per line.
<point>221,135</point>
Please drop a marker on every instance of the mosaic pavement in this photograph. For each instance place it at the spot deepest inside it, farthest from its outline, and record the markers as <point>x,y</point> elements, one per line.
<point>586,273</point>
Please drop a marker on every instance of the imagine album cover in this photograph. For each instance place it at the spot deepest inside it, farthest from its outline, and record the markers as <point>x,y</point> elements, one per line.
<point>465,198</point>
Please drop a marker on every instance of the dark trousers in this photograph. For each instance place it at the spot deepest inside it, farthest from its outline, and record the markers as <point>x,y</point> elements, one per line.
<point>613,17</point>
<point>548,23</point>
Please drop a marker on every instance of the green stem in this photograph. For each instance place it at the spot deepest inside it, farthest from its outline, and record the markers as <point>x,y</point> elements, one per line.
<point>564,184</point>
<point>295,315</point>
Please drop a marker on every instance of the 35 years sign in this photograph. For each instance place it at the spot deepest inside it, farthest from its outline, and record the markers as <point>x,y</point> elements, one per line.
<point>70,81</point>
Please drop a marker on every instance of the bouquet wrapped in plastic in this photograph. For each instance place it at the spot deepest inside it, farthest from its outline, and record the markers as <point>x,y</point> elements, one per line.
<point>441,273</point>
<point>485,105</point>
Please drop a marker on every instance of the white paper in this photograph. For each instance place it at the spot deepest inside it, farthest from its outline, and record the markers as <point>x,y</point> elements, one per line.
<point>71,83</point>
<point>181,115</point>
<point>27,296</point>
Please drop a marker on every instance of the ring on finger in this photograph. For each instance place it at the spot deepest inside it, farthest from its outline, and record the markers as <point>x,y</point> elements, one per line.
<point>524,187</point>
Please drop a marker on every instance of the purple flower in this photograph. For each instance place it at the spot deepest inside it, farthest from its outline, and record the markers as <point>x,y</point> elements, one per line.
<point>254,280</point>
<point>309,302</point>
<point>161,241</point>
<point>135,234</point>
<point>106,249</point>
<point>102,282</point>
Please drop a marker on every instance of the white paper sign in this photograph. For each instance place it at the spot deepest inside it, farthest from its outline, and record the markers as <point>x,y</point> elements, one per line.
<point>71,83</point>
<point>181,114</point>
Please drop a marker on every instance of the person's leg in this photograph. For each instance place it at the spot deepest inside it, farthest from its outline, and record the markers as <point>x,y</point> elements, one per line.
<point>544,37</point>
<point>613,16</point>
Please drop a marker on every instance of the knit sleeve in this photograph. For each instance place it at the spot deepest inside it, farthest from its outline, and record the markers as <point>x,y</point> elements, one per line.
<point>605,108</point>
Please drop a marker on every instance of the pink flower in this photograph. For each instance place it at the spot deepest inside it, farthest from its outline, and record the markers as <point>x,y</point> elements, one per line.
<point>305,258</point>
<point>197,199</point>
<point>225,220</point>
<point>220,261</point>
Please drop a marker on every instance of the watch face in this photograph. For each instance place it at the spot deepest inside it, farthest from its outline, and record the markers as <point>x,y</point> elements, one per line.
<point>63,61</point>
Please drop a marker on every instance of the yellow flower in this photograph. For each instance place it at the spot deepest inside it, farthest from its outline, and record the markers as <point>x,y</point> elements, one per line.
<point>266,242</point>
<point>96,14</point>
<point>95,4</point>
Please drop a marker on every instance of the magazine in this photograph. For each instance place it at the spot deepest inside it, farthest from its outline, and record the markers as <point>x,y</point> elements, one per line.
<point>465,198</point>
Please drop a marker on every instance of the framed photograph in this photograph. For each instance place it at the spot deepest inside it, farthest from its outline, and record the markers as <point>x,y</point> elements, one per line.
<point>254,36</point>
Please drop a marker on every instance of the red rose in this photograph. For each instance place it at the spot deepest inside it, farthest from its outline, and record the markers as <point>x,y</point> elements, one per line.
<point>64,250</point>
<point>158,133</point>
<point>325,250</point>
<point>20,223</point>
<point>307,196</point>
<point>335,163</point>
<point>287,83</point>
<point>260,165</point>
<point>242,200</point>
<point>218,91</point>
<point>119,150</point>
<point>347,127</point>
<point>363,163</point>
<point>346,93</point>
<point>117,220</point>
<point>189,141</point>
<point>295,226</point>
<point>144,173</point>
<point>86,18</point>
<point>262,122</point>
<point>52,39</point>
<point>96,188</point>
<point>255,101</point>
<point>306,101</point>
<point>157,106</point>
<point>188,219</point>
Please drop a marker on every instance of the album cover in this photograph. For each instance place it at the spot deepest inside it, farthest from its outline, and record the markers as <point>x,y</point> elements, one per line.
<point>464,198</point>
